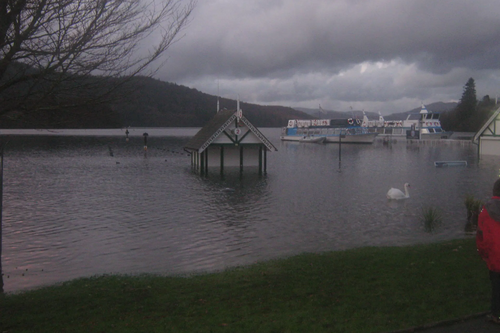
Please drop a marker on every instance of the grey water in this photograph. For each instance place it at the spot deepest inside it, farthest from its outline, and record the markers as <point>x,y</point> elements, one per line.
<point>84,203</point>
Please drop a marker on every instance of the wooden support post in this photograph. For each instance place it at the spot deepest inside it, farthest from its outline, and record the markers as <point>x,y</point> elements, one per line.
<point>202,163</point>
<point>260,160</point>
<point>206,161</point>
<point>221,160</point>
<point>265,161</point>
<point>241,158</point>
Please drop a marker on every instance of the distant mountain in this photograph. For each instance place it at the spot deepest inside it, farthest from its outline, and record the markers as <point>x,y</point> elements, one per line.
<point>433,107</point>
<point>336,114</point>
<point>153,102</point>
<point>439,107</point>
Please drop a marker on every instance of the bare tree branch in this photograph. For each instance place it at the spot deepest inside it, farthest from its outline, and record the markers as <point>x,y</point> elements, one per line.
<point>53,47</point>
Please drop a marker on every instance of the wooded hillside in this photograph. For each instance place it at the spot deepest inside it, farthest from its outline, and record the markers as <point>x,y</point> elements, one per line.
<point>147,102</point>
<point>162,104</point>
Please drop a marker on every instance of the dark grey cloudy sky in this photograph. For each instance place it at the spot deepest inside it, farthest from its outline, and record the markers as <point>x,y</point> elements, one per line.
<point>376,55</point>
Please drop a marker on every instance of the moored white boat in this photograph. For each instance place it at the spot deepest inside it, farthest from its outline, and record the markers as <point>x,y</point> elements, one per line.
<point>329,130</point>
<point>424,125</point>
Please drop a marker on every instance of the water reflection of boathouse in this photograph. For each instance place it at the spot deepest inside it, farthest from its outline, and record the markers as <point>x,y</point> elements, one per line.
<point>229,140</point>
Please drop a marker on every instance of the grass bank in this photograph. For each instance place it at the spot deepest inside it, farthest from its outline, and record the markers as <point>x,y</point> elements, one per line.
<point>361,290</point>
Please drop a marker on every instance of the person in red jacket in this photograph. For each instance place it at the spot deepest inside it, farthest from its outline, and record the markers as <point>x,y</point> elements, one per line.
<point>488,246</point>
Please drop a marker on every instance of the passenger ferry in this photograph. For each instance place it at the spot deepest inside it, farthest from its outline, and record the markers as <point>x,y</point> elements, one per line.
<point>424,125</point>
<point>331,130</point>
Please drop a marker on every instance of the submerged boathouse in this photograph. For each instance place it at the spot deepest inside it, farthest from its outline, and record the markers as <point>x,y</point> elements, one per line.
<point>229,140</point>
<point>488,137</point>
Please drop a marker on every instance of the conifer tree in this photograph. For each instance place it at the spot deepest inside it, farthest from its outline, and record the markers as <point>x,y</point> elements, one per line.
<point>467,106</point>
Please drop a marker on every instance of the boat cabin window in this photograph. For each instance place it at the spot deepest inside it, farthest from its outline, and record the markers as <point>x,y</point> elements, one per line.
<point>438,130</point>
<point>397,131</point>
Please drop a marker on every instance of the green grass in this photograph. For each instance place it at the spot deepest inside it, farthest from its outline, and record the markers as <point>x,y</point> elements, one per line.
<point>361,290</point>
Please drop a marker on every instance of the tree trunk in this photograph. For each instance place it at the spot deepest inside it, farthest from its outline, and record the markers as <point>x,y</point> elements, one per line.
<point>2,145</point>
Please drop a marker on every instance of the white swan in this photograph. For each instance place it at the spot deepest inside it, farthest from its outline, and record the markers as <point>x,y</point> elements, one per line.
<point>396,194</point>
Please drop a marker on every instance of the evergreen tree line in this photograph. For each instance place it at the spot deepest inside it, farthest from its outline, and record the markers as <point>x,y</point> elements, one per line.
<point>470,114</point>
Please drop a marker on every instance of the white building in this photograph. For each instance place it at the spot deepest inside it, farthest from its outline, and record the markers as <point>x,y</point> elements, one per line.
<point>488,137</point>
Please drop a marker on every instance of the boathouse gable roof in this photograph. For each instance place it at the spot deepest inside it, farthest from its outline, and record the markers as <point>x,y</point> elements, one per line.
<point>490,128</point>
<point>221,118</point>
<point>211,132</point>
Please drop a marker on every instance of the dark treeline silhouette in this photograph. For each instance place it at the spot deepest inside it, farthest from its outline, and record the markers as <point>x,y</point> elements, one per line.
<point>469,115</point>
<point>147,102</point>
<point>152,102</point>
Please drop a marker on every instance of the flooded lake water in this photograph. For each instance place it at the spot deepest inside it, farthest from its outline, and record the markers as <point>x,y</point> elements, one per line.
<point>93,203</point>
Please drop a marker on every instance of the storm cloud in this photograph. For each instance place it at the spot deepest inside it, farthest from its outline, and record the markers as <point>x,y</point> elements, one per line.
<point>375,55</point>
